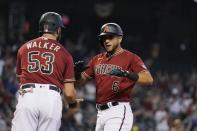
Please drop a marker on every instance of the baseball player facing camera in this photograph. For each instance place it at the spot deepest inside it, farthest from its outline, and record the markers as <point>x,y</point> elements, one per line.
<point>115,71</point>
<point>45,70</point>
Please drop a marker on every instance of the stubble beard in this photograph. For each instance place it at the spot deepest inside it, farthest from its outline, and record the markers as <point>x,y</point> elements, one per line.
<point>115,48</point>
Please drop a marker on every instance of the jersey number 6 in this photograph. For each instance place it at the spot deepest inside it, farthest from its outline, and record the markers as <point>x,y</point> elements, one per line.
<point>34,62</point>
<point>115,86</point>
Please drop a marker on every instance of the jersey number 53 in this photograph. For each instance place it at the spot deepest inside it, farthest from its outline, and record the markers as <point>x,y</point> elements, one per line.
<point>42,62</point>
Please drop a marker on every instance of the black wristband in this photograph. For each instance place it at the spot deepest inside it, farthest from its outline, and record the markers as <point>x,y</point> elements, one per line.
<point>132,76</point>
<point>72,105</point>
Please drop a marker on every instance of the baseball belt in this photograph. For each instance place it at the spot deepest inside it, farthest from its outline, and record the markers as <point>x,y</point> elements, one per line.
<point>51,87</point>
<point>106,106</point>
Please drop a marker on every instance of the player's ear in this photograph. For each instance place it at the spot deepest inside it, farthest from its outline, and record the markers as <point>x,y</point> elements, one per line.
<point>120,39</point>
<point>59,31</point>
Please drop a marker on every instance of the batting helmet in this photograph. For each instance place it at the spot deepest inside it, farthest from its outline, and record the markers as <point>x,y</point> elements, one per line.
<point>111,29</point>
<point>50,22</point>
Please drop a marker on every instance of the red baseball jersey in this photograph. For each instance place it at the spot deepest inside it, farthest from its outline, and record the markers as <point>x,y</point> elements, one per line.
<point>44,61</point>
<point>113,88</point>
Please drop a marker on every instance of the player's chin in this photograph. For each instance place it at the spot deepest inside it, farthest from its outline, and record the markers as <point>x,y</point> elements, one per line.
<point>108,49</point>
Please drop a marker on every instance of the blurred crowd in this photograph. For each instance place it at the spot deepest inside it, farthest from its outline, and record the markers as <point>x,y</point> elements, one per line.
<point>170,104</point>
<point>162,39</point>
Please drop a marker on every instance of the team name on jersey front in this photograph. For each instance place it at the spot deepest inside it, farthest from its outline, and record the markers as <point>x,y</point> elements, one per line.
<point>105,68</point>
<point>43,45</point>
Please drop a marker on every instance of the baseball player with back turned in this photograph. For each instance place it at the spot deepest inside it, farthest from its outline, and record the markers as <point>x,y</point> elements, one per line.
<point>115,72</point>
<point>45,70</point>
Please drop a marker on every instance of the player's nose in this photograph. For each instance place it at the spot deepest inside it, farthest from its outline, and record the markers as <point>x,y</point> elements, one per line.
<point>106,41</point>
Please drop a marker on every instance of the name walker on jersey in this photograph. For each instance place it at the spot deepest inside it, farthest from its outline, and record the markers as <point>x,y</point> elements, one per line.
<point>43,45</point>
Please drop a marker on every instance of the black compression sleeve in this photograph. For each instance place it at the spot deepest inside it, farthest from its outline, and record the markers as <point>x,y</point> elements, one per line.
<point>132,76</point>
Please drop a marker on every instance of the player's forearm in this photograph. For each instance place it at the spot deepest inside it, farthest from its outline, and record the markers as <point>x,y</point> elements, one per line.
<point>70,92</point>
<point>70,98</point>
<point>145,78</point>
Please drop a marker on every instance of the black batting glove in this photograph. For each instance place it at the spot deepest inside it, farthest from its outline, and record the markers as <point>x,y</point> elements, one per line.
<point>79,67</point>
<point>121,73</point>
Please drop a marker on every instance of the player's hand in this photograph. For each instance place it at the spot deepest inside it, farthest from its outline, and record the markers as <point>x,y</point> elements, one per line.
<point>79,67</point>
<point>118,72</point>
<point>76,108</point>
<point>75,104</point>
<point>79,64</point>
<point>122,73</point>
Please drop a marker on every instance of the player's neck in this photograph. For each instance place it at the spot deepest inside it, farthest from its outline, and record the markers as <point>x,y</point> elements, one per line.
<point>50,36</point>
<point>117,51</point>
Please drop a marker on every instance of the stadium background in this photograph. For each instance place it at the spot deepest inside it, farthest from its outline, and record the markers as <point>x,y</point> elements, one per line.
<point>163,33</point>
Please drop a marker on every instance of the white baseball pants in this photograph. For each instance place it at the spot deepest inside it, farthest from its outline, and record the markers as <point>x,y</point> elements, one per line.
<point>40,109</point>
<point>115,118</point>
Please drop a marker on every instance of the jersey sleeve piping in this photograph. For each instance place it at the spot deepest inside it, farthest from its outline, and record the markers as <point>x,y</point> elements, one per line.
<point>69,80</point>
